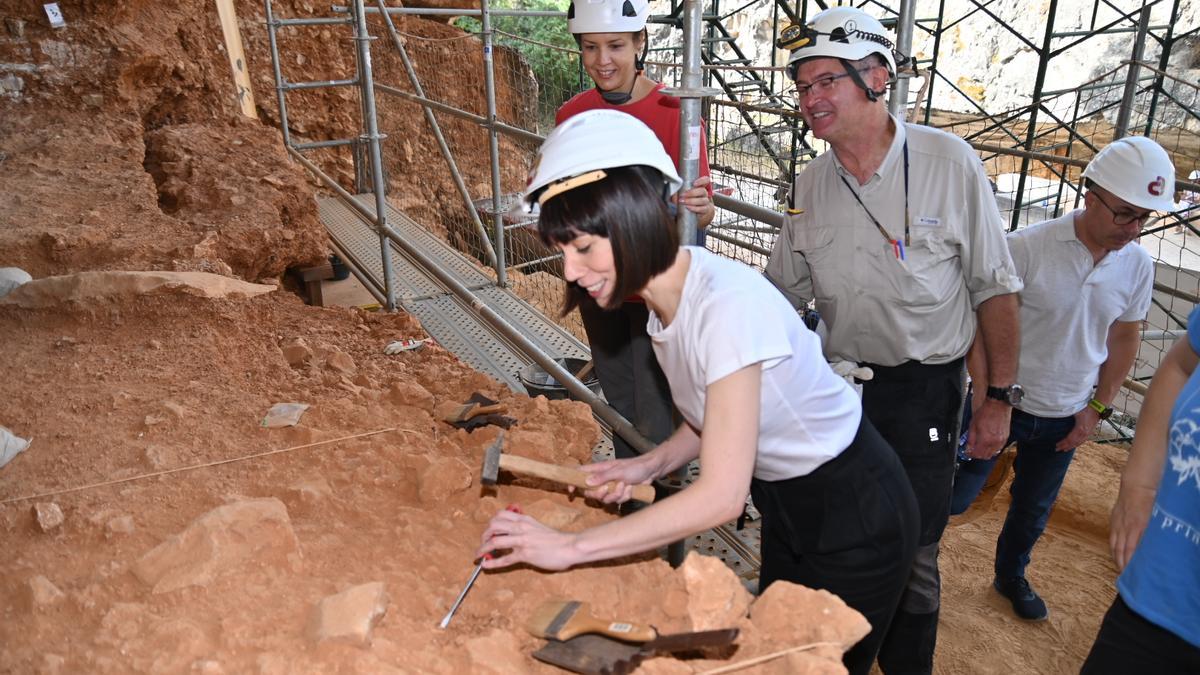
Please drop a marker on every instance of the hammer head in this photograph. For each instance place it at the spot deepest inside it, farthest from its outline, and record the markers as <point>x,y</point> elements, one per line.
<point>491,461</point>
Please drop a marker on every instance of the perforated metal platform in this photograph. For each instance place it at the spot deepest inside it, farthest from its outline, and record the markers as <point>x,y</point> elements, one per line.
<point>445,316</point>
<point>451,321</point>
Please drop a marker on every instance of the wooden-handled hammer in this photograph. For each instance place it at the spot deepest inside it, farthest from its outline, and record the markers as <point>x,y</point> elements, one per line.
<point>494,459</point>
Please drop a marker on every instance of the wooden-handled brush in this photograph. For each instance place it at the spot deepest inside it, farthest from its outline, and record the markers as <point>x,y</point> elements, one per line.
<point>564,619</point>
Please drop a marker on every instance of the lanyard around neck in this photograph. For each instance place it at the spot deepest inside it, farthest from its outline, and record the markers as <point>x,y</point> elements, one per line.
<point>897,245</point>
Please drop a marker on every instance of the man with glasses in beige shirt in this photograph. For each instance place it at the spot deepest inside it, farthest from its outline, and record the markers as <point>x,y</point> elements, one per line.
<point>896,236</point>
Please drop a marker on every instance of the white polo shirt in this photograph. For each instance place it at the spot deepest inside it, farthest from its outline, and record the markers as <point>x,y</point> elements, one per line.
<point>730,317</point>
<point>878,308</point>
<point>1067,307</point>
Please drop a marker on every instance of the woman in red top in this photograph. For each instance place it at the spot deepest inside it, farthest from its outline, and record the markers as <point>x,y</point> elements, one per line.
<point>612,40</point>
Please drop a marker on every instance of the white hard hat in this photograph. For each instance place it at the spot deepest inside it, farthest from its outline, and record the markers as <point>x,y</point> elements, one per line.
<point>838,33</point>
<point>607,16</point>
<point>1137,170</point>
<point>593,141</point>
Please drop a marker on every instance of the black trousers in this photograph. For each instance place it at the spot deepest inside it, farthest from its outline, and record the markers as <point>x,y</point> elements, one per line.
<point>633,383</point>
<point>849,527</point>
<point>917,408</point>
<point>1128,643</point>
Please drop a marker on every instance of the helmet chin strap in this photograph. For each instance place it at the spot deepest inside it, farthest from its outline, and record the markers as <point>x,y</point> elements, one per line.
<point>619,97</point>
<point>872,95</point>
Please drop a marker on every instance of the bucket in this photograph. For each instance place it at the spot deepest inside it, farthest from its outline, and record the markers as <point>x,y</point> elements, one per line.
<point>538,382</point>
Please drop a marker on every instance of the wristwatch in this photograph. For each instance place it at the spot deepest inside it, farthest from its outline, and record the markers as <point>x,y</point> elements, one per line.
<point>1105,411</point>
<point>1012,394</point>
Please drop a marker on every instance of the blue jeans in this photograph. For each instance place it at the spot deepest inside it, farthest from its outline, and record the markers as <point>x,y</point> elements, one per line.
<point>1038,473</point>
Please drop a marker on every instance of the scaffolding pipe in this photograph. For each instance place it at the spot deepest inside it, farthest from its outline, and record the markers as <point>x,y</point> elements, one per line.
<point>1121,128</point>
<point>692,78</point>
<point>325,144</point>
<point>441,140</point>
<point>280,92</point>
<point>515,132</point>
<point>904,34</point>
<point>489,85</point>
<point>354,267</point>
<point>746,209</point>
<point>318,84</point>
<point>1164,59</point>
<point>320,21</point>
<point>1038,82</point>
<point>434,11</point>
<point>372,137</point>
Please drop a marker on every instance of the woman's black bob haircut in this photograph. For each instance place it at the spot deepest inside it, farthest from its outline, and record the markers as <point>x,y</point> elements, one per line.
<point>629,207</point>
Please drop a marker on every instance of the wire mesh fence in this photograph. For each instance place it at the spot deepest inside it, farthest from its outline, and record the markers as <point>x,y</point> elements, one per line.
<point>1077,123</point>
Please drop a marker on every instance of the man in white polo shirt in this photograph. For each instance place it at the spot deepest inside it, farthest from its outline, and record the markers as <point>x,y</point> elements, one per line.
<point>1085,297</point>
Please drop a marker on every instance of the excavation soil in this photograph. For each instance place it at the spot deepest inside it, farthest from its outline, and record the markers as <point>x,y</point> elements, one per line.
<point>122,151</point>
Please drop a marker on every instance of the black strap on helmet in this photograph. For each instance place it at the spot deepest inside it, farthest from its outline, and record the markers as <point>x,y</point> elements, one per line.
<point>872,95</point>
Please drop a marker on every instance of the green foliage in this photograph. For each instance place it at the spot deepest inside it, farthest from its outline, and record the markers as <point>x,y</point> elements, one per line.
<point>557,71</point>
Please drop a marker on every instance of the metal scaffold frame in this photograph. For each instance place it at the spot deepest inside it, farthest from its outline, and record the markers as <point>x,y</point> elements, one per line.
<point>710,74</point>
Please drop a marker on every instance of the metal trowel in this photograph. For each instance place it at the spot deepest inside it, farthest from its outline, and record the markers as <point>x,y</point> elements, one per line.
<point>598,655</point>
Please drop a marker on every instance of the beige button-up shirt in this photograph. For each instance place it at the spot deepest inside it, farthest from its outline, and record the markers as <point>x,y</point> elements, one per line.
<point>879,308</point>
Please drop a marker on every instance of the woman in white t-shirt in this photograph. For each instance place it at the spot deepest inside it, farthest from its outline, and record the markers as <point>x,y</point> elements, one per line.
<point>762,410</point>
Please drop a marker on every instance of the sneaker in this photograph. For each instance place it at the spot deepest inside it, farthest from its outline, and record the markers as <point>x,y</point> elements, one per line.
<point>1025,601</point>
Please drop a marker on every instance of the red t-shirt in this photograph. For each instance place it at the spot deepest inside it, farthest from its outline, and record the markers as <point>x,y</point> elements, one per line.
<point>657,110</point>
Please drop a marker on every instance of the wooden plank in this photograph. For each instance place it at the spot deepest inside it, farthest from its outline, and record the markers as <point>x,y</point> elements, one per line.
<point>237,57</point>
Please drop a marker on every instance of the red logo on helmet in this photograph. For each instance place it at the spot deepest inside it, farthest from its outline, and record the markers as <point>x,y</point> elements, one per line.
<point>1157,187</point>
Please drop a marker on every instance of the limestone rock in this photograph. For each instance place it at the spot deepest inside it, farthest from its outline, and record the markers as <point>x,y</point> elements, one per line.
<point>350,615</point>
<point>43,592</point>
<point>552,513</point>
<point>791,614</point>
<point>716,597</point>
<point>445,476</point>
<point>296,352</point>
<point>411,393</point>
<point>89,287</point>
<point>48,516</point>
<point>254,530</point>
<point>341,362</point>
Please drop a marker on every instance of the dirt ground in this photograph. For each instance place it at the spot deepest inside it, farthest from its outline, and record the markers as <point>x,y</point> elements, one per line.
<point>178,549</point>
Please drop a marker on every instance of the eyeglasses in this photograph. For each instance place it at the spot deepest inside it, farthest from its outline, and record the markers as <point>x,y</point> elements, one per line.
<point>823,84</point>
<point>1123,217</point>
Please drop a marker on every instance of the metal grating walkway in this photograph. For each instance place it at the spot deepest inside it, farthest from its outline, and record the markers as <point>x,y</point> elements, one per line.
<point>455,326</point>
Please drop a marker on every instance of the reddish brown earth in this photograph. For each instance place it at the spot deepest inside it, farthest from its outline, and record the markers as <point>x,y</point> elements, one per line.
<point>122,150</point>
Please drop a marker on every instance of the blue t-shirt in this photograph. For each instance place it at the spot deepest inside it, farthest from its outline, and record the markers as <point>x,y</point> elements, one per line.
<point>1162,581</point>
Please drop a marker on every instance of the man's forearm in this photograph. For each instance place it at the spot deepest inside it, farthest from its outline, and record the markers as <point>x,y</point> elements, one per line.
<point>1001,335</point>
<point>1123,340</point>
